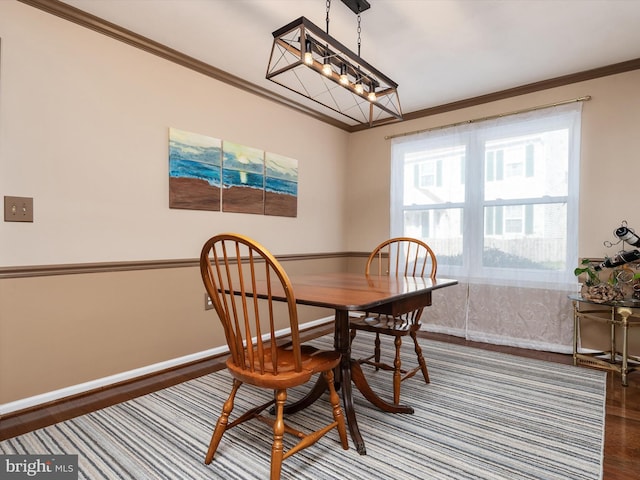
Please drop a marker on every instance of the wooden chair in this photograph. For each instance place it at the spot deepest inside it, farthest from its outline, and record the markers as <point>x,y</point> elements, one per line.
<point>397,256</point>
<point>231,265</point>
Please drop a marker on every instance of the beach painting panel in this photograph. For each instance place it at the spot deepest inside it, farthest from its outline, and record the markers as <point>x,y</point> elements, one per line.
<point>242,179</point>
<point>195,169</point>
<point>281,185</point>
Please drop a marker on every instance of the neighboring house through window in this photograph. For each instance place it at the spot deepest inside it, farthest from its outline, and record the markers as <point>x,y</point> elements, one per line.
<point>495,199</point>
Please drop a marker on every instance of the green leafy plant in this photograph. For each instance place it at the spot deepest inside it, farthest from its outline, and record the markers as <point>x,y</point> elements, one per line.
<point>592,275</point>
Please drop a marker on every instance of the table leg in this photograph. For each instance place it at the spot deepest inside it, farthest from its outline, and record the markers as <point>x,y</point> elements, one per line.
<point>349,371</point>
<point>612,336</point>
<point>576,333</point>
<point>342,343</point>
<point>360,381</point>
<point>625,313</point>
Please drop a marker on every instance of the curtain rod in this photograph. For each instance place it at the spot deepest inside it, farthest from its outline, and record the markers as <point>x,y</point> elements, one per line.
<point>491,117</point>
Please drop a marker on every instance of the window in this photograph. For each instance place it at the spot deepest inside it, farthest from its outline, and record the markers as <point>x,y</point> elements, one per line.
<point>427,174</point>
<point>495,199</point>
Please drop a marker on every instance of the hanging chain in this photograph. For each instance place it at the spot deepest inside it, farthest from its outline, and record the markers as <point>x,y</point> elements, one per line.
<point>328,8</point>
<point>359,31</point>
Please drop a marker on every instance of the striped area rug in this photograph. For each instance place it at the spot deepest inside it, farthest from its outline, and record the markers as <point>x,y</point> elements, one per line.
<point>485,415</point>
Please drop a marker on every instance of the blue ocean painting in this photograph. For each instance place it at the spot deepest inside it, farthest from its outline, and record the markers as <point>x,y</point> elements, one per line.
<point>282,174</point>
<point>241,157</point>
<point>240,178</point>
<point>277,185</point>
<point>242,166</point>
<point>195,156</point>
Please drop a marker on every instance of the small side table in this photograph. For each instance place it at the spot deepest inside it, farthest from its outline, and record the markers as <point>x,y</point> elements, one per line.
<point>622,313</point>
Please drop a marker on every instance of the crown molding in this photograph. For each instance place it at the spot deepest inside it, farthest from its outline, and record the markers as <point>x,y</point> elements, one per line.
<point>594,73</point>
<point>97,24</point>
<point>80,17</point>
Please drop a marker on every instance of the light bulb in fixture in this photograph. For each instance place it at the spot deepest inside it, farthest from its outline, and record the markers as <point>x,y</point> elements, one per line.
<point>372,96</point>
<point>344,79</point>
<point>308,56</point>
<point>326,68</point>
<point>358,86</point>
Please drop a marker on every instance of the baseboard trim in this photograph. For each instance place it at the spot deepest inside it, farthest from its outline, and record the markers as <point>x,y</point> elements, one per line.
<point>39,411</point>
<point>107,382</point>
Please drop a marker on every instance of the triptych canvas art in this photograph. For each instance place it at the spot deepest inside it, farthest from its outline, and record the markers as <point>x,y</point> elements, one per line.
<point>207,173</point>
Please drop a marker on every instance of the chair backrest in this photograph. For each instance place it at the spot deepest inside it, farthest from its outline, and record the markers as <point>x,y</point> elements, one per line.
<point>231,266</point>
<point>402,256</point>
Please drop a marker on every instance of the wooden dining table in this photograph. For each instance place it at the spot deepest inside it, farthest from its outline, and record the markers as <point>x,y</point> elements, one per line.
<point>356,292</point>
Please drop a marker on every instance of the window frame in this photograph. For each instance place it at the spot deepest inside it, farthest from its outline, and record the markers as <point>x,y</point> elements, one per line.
<point>474,203</point>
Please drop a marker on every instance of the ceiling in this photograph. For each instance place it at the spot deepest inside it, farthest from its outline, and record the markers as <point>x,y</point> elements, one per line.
<point>438,51</point>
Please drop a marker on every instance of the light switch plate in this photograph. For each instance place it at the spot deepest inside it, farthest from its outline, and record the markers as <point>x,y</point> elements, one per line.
<point>18,209</point>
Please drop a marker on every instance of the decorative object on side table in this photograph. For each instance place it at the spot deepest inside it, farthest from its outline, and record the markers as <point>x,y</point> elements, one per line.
<point>622,282</point>
<point>594,289</point>
<point>603,292</point>
<point>616,296</point>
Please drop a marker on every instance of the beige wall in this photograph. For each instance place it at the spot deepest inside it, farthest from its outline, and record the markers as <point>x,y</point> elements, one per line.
<point>83,129</point>
<point>63,330</point>
<point>609,164</point>
<point>84,125</point>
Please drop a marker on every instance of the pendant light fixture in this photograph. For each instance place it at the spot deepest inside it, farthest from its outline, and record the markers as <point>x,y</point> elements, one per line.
<point>308,61</point>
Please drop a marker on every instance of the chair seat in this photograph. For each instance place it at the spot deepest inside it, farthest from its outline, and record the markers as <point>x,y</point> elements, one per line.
<point>384,324</point>
<point>313,361</point>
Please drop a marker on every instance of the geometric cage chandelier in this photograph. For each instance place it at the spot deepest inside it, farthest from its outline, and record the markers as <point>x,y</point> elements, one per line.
<point>308,61</point>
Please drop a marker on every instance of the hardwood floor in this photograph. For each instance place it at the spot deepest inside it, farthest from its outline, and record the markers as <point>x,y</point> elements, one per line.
<point>622,417</point>
<point>622,421</point>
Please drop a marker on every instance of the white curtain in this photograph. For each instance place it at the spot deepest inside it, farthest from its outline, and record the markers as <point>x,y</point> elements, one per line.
<point>505,187</point>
